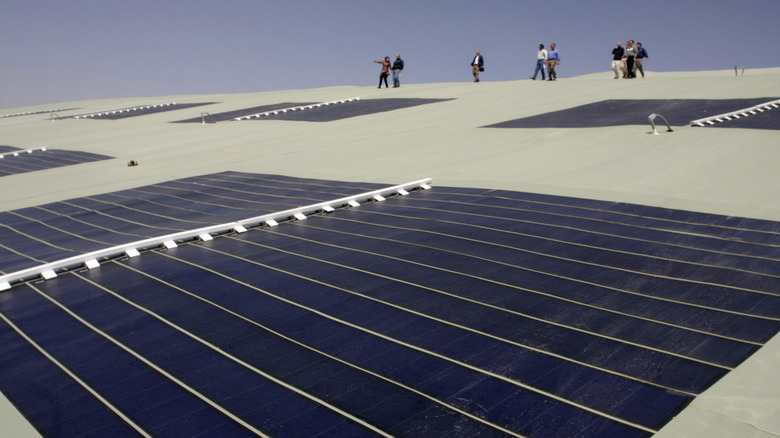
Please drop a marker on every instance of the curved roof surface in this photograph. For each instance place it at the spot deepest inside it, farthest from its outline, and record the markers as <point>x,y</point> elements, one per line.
<point>597,210</point>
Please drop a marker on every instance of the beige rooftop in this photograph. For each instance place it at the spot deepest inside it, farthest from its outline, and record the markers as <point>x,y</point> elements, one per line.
<point>724,171</point>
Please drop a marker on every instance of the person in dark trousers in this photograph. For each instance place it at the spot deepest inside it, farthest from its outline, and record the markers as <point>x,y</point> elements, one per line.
<point>398,67</point>
<point>629,56</point>
<point>617,60</point>
<point>477,65</point>
<point>385,71</point>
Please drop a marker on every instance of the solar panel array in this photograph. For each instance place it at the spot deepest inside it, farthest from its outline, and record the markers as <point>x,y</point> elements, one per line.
<point>14,160</point>
<point>618,112</point>
<point>315,112</point>
<point>448,312</point>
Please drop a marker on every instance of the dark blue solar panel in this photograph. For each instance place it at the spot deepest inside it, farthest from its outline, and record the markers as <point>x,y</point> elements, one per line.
<point>230,115</point>
<point>616,112</point>
<point>62,229</point>
<point>451,311</point>
<point>39,160</point>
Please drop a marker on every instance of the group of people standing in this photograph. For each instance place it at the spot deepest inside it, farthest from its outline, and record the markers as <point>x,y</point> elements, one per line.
<point>548,59</point>
<point>397,68</point>
<point>627,61</point>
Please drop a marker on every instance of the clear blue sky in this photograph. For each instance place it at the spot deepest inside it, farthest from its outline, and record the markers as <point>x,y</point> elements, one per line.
<point>59,51</point>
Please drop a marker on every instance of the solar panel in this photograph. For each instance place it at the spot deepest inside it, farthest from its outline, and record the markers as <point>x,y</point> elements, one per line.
<point>243,112</point>
<point>617,112</point>
<point>451,311</point>
<point>15,161</point>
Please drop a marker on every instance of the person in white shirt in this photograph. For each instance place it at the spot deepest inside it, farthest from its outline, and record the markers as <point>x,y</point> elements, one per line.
<point>477,65</point>
<point>541,60</point>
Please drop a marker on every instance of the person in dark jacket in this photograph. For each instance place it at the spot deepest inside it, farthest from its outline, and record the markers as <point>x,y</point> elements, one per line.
<point>641,55</point>
<point>398,67</point>
<point>617,60</point>
<point>477,65</point>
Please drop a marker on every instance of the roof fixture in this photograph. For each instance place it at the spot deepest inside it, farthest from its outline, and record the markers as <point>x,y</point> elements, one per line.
<point>652,117</point>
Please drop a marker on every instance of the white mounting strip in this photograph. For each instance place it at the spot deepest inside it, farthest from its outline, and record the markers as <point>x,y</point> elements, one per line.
<point>294,108</point>
<point>402,192</point>
<point>140,108</point>
<point>48,274</point>
<point>170,244</point>
<point>736,114</point>
<point>379,198</point>
<point>239,229</point>
<point>425,186</point>
<point>205,237</point>
<point>16,153</point>
<point>92,264</point>
<point>133,249</point>
<point>353,204</point>
<point>299,216</point>
<point>29,113</point>
<point>5,286</point>
<point>327,209</point>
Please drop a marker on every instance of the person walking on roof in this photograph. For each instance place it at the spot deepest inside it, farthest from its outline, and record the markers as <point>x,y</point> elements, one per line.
<point>477,65</point>
<point>617,59</point>
<point>385,71</point>
<point>641,55</point>
<point>629,56</point>
<point>541,61</point>
<point>398,67</point>
<point>553,59</point>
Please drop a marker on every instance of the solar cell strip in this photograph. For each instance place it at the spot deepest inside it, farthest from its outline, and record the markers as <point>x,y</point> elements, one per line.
<point>83,384</point>
<point>170,205</point>
<point>437,303</point>
<point>165,394</point>
<point>201,319</point>
<point>605,228</point>
<point>34,160</point>
<point>472,274</point>
<point>606,225</point>
<point>279,190</point>
<point>155,265</point>
<point>12,260</point>
<point>587,290</point>
<point>231,388</point>
<point>24,372</point>
<point>215,198</point>
<point>389,318</point>
<point>83,223</point>
<point>661,218</point>
<point>544,253</point>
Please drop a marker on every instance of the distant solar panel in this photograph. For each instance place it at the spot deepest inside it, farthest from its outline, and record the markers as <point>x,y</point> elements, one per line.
<point>447,312</point>
<point>355,108</point>
<point>618,112</point>
<point>13,161</point>
<point>140,110</point>
<point>230,115</point>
